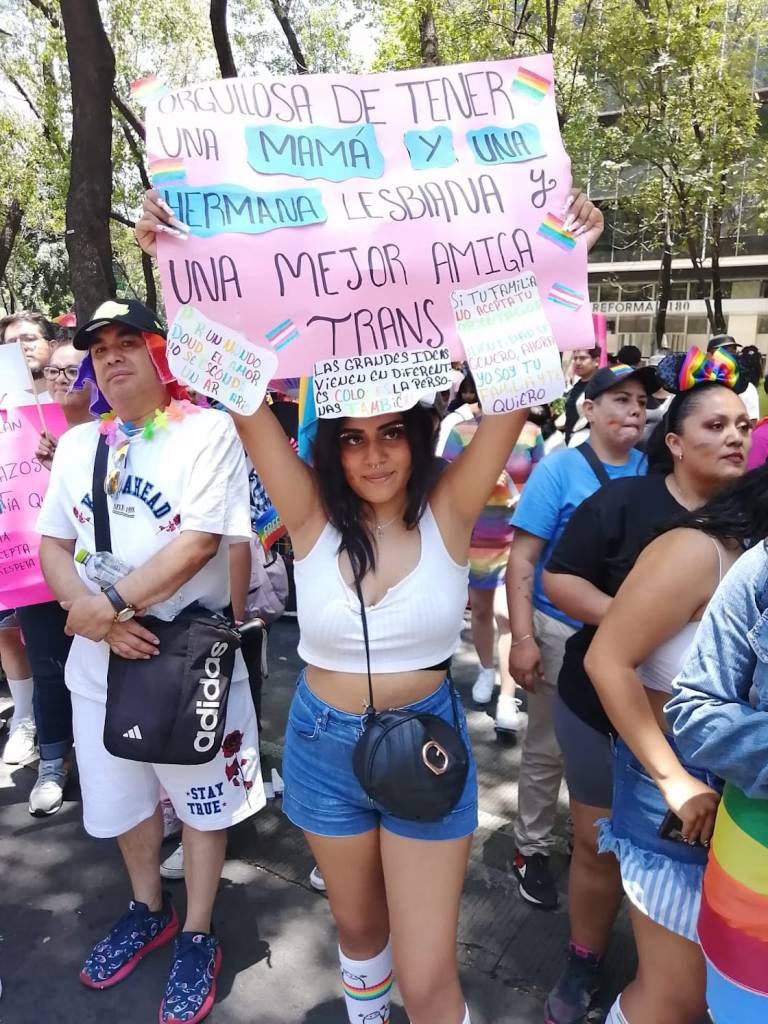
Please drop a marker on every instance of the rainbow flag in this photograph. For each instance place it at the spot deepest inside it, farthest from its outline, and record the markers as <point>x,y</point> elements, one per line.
<point>552,228</point>
<point>530,84</point>
<point>163,171</point>
<point>562,295</point>
<point>148,90</point>
<point>733,923</point>
<point>270,527</point>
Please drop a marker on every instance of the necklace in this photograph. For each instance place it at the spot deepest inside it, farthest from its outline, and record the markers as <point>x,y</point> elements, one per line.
<point>110,426</point>
<point>381,527</point>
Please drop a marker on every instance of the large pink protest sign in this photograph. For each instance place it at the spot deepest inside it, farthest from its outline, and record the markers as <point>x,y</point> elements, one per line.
<point>23,482</point>
<point>333,215</point>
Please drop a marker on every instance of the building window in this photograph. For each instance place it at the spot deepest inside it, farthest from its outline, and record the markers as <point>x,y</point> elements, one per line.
<point>762,325</point>
<point>678,290</point>
<point>594,291</point>
<point>609,292</point>
<point>635,324</point>
<point>642,292</point>
<point>698,325</point>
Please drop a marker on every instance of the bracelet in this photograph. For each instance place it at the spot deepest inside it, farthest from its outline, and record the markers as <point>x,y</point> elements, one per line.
<point>528,636</point>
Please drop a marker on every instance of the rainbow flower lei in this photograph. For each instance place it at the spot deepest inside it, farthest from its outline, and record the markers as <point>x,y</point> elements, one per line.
<point>110,426</point>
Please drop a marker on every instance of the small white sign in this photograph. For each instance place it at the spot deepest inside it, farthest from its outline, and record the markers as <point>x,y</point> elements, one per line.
<point>509,344</point>
<point>15,383</point>
<point>218,362</point>
<point>387,382</point>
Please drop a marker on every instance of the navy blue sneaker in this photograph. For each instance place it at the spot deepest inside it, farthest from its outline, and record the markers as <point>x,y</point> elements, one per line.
<point>191,989</point>
<point>135,934</point>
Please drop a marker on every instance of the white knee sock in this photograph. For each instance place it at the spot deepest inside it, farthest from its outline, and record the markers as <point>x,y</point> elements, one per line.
<point>21,692</point>
<point>466,1016</point>
<point>615,1016</point>
<point>367,987</point>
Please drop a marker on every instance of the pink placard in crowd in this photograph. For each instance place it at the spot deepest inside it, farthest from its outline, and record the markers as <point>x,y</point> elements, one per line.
<point>23,482</point>
<point>334,215</point>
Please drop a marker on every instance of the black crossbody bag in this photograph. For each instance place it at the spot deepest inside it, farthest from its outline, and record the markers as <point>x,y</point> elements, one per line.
<point>170,708</point>
<point>412,764</point>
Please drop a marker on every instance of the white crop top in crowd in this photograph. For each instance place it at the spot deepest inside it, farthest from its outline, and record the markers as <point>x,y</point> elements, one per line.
<point>660,669</point>
<point>415,625</point>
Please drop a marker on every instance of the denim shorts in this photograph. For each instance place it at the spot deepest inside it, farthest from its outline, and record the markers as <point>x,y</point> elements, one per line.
<point>322,795</point>
<point>662,878</point>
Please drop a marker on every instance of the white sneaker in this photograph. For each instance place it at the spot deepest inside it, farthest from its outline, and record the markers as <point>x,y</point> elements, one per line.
<point>482,691</point>
<point>507,713</point>
<point>316,880</point>
<point>20,745</point>
<point>171,824</point>
<point>47,793</point>
<point>173,866</point>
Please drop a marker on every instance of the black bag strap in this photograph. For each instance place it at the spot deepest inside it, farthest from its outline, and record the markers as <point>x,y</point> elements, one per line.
<point>371,706</point>
<point>101,530</point>
<point>595,464</point>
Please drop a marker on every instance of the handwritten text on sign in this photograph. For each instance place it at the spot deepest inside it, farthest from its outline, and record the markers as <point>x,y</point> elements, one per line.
<point>372,385</point>
<point>333,215</point>
<point>23,482</point>
<point>509,345</point>
<point>218,362</point>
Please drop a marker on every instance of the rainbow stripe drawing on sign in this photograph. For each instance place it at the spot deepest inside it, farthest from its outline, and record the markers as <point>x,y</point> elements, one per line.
<point>552,228</point>
<point>163,171</point>
<point>562,295</point>
<point>148,90</point>
<point>530,84</point>
<point>282,335</point>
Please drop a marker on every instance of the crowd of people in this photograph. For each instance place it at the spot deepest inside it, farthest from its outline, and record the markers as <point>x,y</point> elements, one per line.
<point>613,563</point>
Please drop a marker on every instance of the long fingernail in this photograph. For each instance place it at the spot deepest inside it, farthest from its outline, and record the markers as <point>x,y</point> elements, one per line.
<point>580,230</point>
<point>166,230</point>
<point>569,222</point>
<point>180,225</point>
<point>566,204</point>
<point>164,206</point>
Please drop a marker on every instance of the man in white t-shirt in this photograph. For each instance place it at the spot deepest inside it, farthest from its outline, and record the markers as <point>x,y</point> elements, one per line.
<point>177,497</point>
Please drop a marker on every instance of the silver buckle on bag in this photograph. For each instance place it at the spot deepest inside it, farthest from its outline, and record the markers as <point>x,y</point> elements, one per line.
<point>433,747</point>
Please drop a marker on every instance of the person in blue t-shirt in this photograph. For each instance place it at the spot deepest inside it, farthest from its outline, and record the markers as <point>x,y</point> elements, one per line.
<point>615,401</point>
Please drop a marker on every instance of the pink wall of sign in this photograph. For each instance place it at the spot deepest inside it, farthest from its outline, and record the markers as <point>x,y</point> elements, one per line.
<point>333,215</point>
<point>23,482</point>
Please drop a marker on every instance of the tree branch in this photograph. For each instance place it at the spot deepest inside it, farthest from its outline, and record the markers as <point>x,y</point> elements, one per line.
<point>136,153</point>
<point>221,41</point>
<point>114,215</point>
<point>47,11</point>
<point>133,119</point>
<point>281,13</point>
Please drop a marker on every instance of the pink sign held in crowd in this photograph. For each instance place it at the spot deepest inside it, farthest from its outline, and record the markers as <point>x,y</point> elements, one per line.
<point>333,215</point>
<point>23,482</point>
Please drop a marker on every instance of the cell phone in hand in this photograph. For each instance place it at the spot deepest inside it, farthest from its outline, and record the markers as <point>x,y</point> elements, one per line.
<point>672,828</point>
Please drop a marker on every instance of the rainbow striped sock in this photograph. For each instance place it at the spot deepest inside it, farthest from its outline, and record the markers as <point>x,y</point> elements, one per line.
<point>367,987</point>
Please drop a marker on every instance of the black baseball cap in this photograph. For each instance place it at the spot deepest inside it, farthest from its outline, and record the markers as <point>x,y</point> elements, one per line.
<point>610,376</point>
<point>722,341</point>
<point>129,312</point>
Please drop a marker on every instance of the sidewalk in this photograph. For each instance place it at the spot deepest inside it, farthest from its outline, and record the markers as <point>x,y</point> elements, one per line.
<point>61,889</point>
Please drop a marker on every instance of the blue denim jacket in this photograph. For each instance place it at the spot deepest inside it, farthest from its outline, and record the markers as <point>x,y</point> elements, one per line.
<point>717,723</point>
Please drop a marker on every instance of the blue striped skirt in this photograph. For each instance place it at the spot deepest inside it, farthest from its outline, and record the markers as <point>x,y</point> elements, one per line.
<point>661,878</point>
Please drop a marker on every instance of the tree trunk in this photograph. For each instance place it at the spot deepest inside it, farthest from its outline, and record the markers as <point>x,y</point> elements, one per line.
<point>281,13</point>
<point>665,283</point>
<point>150,285</point>
<point>702,284</point>
<point>8,232</point>
<point>89,199</point>
<point>221,39</point>
<point>716,235</point>
<point>428,38</point>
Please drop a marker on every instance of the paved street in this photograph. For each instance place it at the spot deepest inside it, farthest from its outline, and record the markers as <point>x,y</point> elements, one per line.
<point>60,890</point>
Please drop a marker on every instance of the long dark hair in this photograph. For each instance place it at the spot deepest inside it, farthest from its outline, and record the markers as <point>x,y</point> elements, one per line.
<point>680,408</point>
<point>345,509</point>
<point>738,514</point>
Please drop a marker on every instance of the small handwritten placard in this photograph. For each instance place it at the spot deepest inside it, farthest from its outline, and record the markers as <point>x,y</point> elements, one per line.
<point>509,344</point>
<point>376,384</point>
<point>218,362</point>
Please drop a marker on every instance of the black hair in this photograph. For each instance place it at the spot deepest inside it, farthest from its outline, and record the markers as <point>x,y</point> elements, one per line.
<point>751,364</point>
<point>467,384</point>
<point>630,355</point>
<point>738,514</point>
<point>47,329</point>
<point>345,509</point>
<point>595,352</point>
<point>680,408</point>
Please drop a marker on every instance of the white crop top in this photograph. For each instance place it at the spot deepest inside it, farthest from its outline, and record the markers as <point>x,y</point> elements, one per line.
<point>661,668</point>
<point>415,625</point>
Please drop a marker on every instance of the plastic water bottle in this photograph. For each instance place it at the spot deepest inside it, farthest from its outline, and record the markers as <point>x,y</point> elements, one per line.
<point>106,570</point>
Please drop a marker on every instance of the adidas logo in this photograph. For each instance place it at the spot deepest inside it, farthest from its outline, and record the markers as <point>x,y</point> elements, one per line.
<point>134,733</point>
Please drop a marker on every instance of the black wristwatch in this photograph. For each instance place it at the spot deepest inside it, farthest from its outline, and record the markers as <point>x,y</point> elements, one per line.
<point>123,611</point>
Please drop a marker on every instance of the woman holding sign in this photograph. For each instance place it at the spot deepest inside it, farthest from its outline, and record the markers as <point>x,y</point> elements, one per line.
<point>386,798</point>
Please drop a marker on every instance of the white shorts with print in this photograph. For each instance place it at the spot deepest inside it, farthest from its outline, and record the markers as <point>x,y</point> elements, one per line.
<point>119,794</point>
